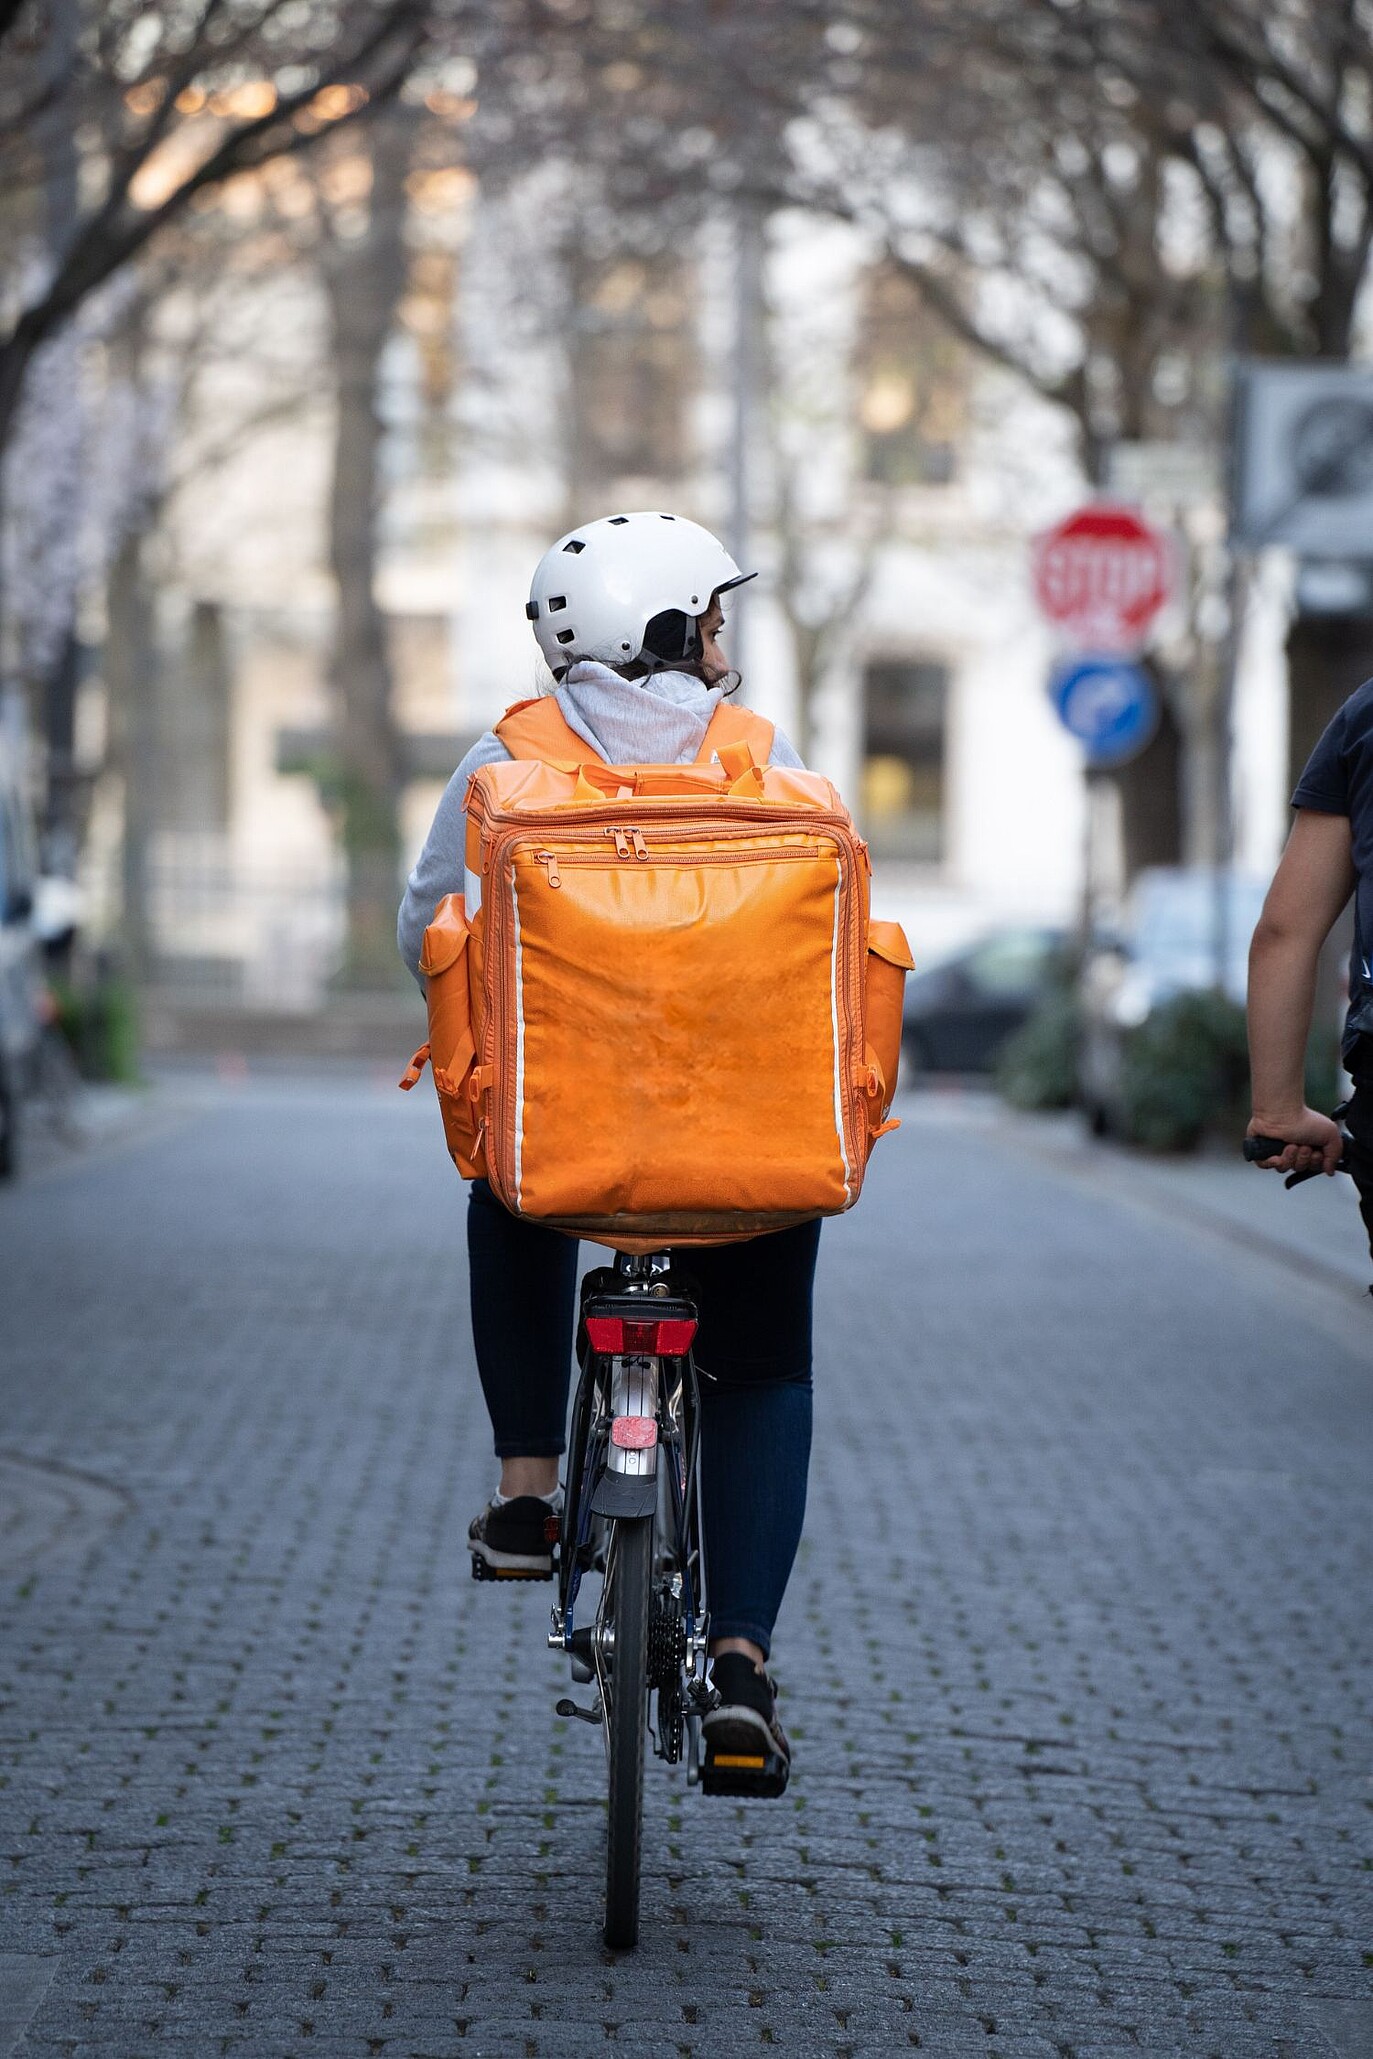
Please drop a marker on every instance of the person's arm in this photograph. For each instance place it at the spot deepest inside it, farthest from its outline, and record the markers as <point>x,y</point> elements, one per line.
<point>784,752</point>
<point>439,869</point>
<point>1311,886</point>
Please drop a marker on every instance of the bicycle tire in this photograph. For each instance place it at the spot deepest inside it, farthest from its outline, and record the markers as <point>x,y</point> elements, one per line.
<point>626,1719</point>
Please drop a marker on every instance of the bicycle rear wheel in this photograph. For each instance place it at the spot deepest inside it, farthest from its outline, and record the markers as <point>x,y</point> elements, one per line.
<point>626,1612</point>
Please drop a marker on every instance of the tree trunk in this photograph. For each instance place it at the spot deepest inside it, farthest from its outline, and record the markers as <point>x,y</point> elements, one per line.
<point>130,665</point>
<point>55,133</point>
<point>60,837</point>
<point>196,728</point>
<point>365,278</point>
<point>806,645</point>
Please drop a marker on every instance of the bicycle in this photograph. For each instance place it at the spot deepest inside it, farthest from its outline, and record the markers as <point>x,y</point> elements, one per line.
<point>632,1513</point>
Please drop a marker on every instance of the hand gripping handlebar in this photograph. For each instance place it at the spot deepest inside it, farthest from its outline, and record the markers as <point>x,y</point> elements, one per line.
<point>1256,1149</point>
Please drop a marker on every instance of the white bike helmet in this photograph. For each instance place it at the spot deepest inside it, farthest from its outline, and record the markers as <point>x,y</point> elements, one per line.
<point>628,590</point>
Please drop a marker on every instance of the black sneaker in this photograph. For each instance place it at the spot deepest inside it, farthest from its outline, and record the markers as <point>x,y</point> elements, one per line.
<point>745,1747</point>
<point>514,1540</point>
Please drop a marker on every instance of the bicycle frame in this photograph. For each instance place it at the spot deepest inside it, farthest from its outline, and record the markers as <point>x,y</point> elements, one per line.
<point>634,1452</point>
<point>633,1512</point>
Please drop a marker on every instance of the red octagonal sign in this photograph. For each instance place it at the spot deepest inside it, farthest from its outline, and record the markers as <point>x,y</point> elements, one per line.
<point>1102,575</point>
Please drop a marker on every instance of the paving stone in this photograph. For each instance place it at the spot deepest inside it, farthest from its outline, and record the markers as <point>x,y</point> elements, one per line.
<point>1075,1659</point>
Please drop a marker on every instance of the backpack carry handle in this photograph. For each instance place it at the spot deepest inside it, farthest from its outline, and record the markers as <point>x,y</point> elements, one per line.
<point>736,777</point>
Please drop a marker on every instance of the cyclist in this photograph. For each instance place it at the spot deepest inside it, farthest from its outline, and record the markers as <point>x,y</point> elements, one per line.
<point>640,678</point>
<point>1329,856</point>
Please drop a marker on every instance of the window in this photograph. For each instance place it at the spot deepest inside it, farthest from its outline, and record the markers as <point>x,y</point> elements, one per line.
<point>904,720</point>
<point>911,395</point>
<point>633,370</point>
<point>1011,965</point>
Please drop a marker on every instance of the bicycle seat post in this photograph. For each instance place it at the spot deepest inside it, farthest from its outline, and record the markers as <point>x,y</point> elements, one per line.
<point>640,1268</point>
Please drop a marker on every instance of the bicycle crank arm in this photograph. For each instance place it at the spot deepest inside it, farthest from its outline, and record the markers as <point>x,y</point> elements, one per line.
<point>570,1708</point>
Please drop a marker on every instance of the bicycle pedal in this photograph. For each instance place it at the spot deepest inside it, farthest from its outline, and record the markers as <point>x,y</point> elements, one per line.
<point>760,1776</point>
<point>482,1569</point>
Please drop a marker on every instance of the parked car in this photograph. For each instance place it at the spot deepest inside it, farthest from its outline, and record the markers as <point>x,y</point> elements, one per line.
<point>19,953</point>
<point>1165,945</point>
<point>960,1013</point>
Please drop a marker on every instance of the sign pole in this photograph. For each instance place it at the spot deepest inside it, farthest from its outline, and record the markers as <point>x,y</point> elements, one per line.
<point>1236,589</point>
<point>1101,576</point>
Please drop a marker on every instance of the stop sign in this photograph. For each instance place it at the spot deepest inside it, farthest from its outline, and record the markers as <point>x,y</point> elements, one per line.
<point>1102,575</point>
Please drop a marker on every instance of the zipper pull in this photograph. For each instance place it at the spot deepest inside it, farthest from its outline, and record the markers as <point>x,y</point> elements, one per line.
<point>621,840</point>
<point>640,847</point>
<point>550,864</point>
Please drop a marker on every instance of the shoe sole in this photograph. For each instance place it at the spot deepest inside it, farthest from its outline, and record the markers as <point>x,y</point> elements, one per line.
<point>505,1565</point>
<point>738,1733</point>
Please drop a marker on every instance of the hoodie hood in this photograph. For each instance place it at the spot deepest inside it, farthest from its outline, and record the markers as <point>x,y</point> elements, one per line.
<point>660,720</point>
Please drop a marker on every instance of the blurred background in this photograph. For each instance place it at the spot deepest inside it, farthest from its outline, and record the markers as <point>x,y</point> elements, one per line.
<point>1015,343</point>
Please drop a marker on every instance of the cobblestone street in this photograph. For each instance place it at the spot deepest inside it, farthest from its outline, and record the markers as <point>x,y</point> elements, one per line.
<point>1076,1662</point>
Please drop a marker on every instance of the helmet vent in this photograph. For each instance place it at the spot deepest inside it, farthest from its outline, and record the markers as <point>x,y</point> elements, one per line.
<point>531,609</point>
<point>667,518</point>
<point>566,635</point>
<point>575,545</point>
<point>556,603</point>
<point>618,521</point>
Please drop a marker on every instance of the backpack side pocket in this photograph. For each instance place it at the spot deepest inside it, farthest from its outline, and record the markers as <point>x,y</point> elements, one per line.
<point>443,961</point>
<point>889,960</point>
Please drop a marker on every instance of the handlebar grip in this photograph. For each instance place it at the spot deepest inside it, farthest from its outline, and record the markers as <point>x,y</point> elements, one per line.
<point>1256,1149</point>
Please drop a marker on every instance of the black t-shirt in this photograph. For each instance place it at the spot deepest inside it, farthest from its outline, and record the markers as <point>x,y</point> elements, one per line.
<point>1338,780</point>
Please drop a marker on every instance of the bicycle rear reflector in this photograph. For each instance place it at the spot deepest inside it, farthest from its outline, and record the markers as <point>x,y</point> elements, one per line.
<point>618,1337</point>
<point>634,1433</point>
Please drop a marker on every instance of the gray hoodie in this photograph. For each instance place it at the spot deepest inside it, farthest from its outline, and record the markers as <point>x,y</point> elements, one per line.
<point>660,720</point>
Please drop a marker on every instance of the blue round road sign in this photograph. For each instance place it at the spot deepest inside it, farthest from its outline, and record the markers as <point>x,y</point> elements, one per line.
<point>1109,704</point>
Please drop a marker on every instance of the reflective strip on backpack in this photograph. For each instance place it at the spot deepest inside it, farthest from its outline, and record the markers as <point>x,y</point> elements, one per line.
<point>519,1040</point>
<point>840,1083</point>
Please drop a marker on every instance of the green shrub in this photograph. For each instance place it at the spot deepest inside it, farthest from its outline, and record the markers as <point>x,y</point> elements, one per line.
<point>1038,1063</point>
<point>1185,1070</point>
<point>100,1022</point>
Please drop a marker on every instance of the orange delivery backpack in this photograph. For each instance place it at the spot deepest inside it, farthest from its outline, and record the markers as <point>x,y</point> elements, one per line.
<point>660,1013</point>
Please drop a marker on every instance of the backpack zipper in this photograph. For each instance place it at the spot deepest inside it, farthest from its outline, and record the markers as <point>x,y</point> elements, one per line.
<point>591,860</point>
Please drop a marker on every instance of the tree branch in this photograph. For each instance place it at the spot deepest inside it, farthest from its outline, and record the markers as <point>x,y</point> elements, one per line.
<point>96,253</point>
<point>10,11</point>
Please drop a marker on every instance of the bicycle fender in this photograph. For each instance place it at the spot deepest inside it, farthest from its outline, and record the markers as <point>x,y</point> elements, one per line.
<point>625,1494</point>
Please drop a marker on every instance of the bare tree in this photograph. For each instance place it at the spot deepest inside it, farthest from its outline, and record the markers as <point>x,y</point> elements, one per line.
<point>363,263</point>
<point>152,111</point>
<point>1101,197</point>
<point>182,98</point>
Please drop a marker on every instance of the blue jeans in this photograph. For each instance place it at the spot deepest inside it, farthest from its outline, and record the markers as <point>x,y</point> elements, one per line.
<point>753,1353</point>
